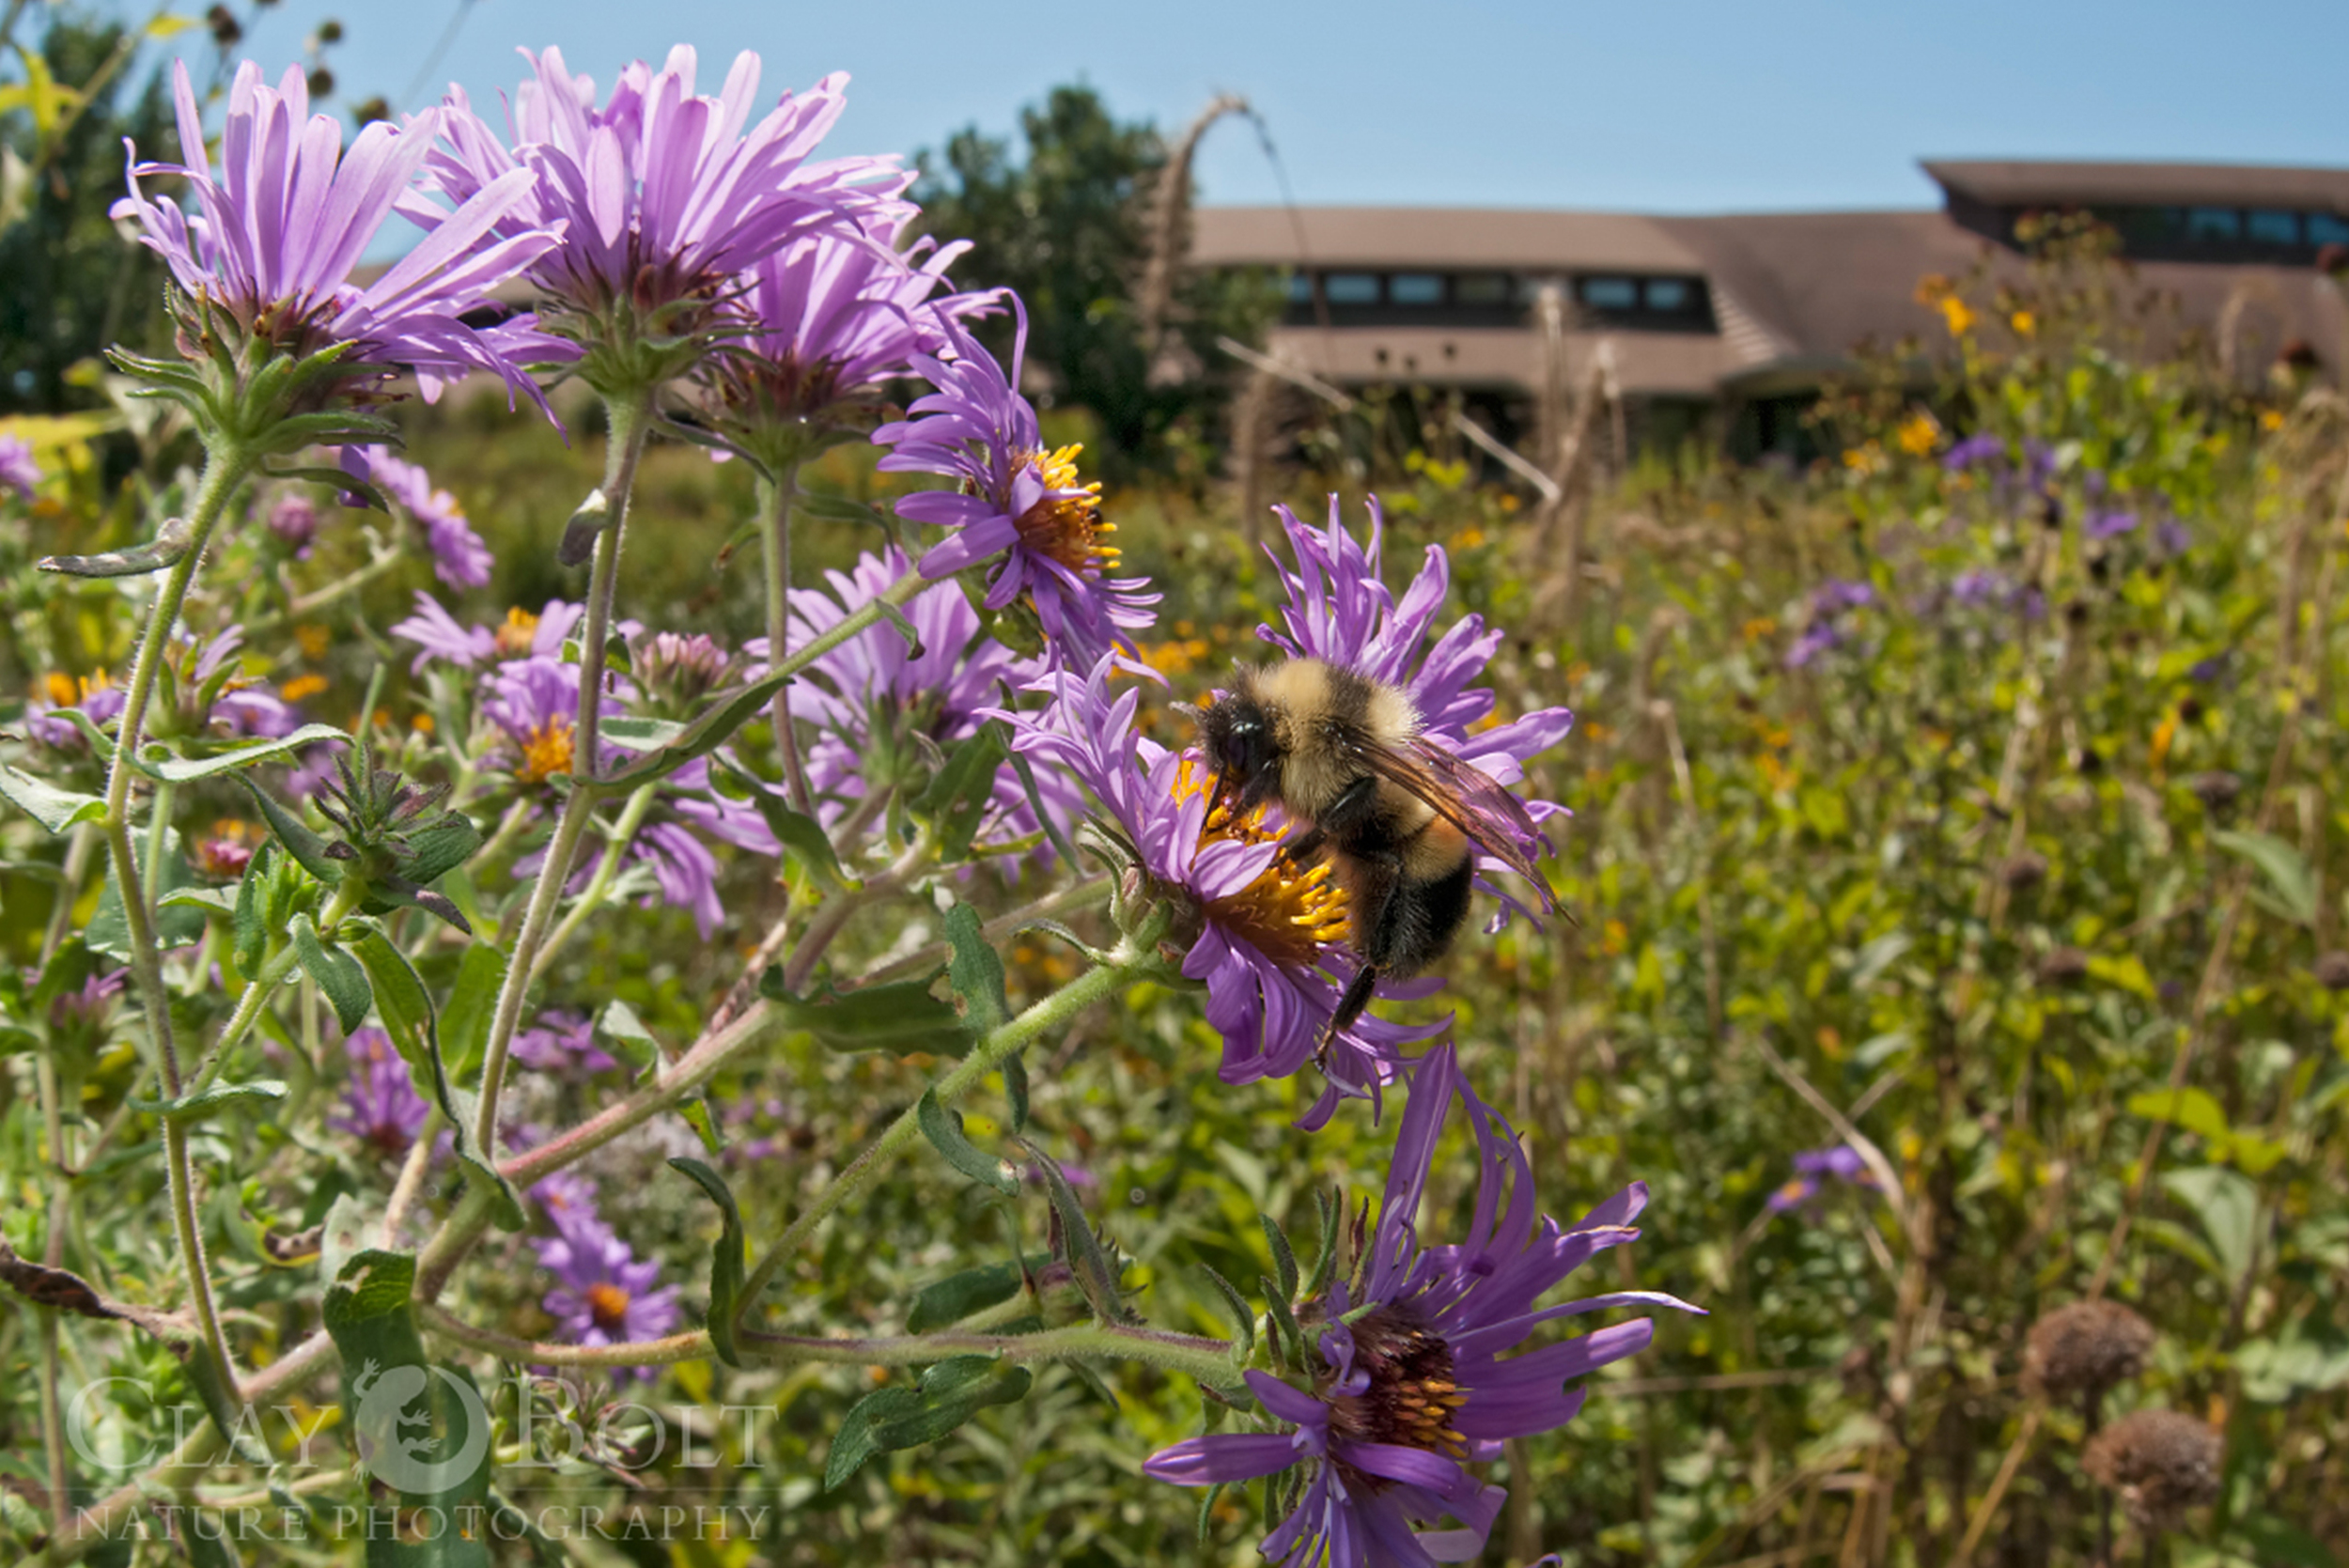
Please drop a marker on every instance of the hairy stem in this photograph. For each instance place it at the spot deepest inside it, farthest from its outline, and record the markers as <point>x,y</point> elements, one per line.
<point>1054,1011</point>
<point>225,468</point>
<point>774,536</point>
<point>631,420</point>
<point>607,871</point>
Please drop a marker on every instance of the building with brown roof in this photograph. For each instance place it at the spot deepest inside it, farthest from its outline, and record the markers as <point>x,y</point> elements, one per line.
<point>1736,320</point>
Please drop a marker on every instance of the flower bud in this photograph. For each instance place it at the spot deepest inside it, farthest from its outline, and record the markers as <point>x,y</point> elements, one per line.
<point>2332,970</point>
<point>2160,1463</point>
<point>294,519</point>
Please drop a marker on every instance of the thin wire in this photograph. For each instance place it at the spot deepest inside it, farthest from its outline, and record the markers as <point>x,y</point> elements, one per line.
<point>440,52</point>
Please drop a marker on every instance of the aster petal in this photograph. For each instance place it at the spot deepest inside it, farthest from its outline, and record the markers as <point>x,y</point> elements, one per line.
<point>1285,1403</point>
<point>1222,1458</point>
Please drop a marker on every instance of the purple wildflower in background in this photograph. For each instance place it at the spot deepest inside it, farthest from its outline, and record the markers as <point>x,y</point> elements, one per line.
<point>18,471</point>
<point>443,640</point>
<point>81,1016</point>
<point>459,558</point>
<point>603,1294</point>
<point>660,194</point>
<point>686,871</point>
<point>95,696</point>
<point>1978,587</point>
<point>1812,1168</point>
<point>1340,610</point>
<point>1013,498</point>
<point>833,316</point>
<point>1976,451</point>
<point>1411,1384</point>
<point>1268,941</point>
<point>292,212</point>
<point>872,701</point>
<point>292,519</point>
<point>562,1041</point>
<point>535,702</point>
<point>1830,602</point>
<point>2109,526</point>
<point>381,1107</point>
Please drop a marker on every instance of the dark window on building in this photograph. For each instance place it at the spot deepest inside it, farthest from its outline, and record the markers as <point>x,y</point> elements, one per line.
<point>1350,288</point>
<point>1482,289</point>
<point>2328,228</point>
<point>1610,293</point>
<point>1415,289</point>
<point>1669,296</point>
<point>1300,289</point>
<point>2214,223</point>
<point>2264,225</point>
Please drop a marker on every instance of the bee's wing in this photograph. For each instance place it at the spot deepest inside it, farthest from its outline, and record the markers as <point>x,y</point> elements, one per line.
<point>1472,800</point>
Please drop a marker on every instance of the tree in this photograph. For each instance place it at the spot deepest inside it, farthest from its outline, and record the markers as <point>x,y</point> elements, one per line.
<point>1069,229</point>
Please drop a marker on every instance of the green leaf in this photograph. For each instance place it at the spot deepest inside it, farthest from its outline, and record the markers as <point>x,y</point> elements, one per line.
<point>835,507</point>
<point>960,791</point>
<point>440,849</point>
<point>976,973</point>
<point>338,973</point>
<point>160,553</point>
<point>944,1128</point>
<point>957,1296</point>
<point>638,1048</point>
<point>2293,888</point>
<point>2194,1110</point>
<point>52,808</point>
<point>2227,1204</point>
<point>1096,1272</point>
<point>250,948</point>
<point>591,518</point>
<point>726,1268</point>
<point>705,735</point>
<point>194,1106</point>
<point>1288,1341</point>
<point>1284,1258</point>
<point>951,1392</point>
<point>307,848</point>
<point>208,900</point>
<point>1333,1220</point>
<point>406,1008</point>
<point>802,836</point>
<point>472,1008</point>
<point>390,1391</point>
<point>110,927</point>
<point>180,770</point>
<point>1244,1338</point>
<point>2283,1545</point>
<point>901,1016</point>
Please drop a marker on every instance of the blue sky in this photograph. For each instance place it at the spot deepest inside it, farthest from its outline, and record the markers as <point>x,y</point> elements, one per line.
<point>1693,106</point>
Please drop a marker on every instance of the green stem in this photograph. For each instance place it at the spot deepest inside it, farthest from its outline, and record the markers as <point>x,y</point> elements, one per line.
<point>836,911</point>
<point>1051,1013</point>
<point>631,422</point>
<point>1208,1361</point>
<point>225,468</point>
<point>1077,896</point>
<point>774,534</point>
<point>607,871</point>
<point>259,988</point>
<point>318,599</point>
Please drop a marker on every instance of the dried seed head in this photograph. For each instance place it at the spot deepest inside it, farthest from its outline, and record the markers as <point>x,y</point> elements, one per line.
<point>2332,970</point>
<point>2025,870</point>
<point>2062,966</point>
<point>2161,1464</point>
<point>2216,788</point>
<point>2085,1347</point>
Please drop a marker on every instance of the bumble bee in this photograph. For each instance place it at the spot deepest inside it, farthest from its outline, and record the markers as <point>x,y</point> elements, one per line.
<point>1403,818</point>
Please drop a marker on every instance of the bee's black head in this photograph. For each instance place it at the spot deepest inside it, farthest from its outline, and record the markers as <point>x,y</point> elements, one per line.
<point>1236,735</point>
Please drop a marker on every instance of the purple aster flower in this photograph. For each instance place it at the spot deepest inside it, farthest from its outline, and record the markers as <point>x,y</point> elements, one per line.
<point>833,316</point>
<point>603,1294</point>
<point>663,196</point>
<point>1341,611</point>
<point>874,703</point>
<point>293,520</point>
<point>1978,587</point>
<point>381,1106</point>
<point>1013,498</point>
<point>1984,450</point>
<point>18,471</point>
<point>2172,538</point>
<point>1816,639</point>
<point>1268,938</point>
<point>459,558</point>
<point>1814,1167</point>
<point>535,702</point>
<point>562,1041</point>
<point>521,634</point>
<point>279,229</point>
<point>686,871</point>
<point>2109,526</point>
<point>95,696</point>
<point>81,1015</point>
<point>1840,594</point>
<point>1410,1385</point>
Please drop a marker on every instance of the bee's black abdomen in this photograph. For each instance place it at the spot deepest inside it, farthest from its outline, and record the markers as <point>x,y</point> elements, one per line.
<point>1419,921</point>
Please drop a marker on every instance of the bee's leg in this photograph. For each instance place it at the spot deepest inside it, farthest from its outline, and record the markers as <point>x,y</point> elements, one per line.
<point>1375,875</point>
<point>1299,848</point>
<point>1347,813</point>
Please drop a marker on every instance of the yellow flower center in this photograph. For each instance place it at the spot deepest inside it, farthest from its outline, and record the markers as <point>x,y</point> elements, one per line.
<point>302,686</point>
<point>546,752</point>
<point>1411,1397</point>
<point>71,690</point>
<point>609,1303</point>
<point>1069,528</point>
<point>1287,913</point>
<point>515,636</point>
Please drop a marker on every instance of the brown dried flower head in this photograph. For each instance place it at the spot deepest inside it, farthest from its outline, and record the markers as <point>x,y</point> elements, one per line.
<point>2062,966</point>
<point>2085,1347</point>
<point>2025,870</point>
<point>2332,970</point>
<point>2160,1463</point>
